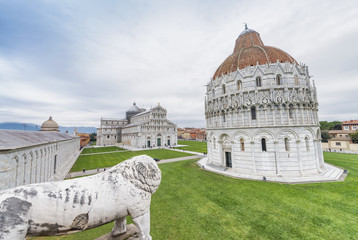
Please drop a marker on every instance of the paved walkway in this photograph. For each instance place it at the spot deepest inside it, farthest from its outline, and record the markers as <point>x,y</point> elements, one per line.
<point>103,152</point>
<point>330,174</point>
<point>95,171</point>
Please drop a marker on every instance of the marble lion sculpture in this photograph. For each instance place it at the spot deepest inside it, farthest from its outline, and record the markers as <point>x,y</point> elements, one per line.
<point>53,208</point>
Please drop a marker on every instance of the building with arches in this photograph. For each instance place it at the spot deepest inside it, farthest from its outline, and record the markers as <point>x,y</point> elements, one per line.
<point>261,115</point>
<point>140,129</point>
<point>36,156</point>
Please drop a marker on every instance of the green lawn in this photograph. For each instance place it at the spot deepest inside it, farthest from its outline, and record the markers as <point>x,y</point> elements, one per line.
<point>194,204</point>
<point>101,149</point>
<point>193,146</point>
<point>111,159</point>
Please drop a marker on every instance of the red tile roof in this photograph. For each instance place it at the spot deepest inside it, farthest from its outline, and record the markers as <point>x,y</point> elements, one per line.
<point>249,50</point>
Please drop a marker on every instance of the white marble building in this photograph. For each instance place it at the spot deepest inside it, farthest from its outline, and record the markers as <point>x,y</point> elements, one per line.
<point>140,129</point>
<point>32,157</point>
<point>261,113</point>
<point>150,128</point>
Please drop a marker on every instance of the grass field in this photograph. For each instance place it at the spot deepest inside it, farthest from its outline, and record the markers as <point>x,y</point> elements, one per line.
<point>111,159</point>
<point>101,149</point>
<point>193,146</point>
<point>195,204</point>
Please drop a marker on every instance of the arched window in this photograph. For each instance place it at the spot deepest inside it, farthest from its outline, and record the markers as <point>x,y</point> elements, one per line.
<point>287,144</point>
<point>290,111</point>
<point>258,81</point>
<point>296,80</point>
<point>242,144</point>
<point>223,87</point>
<point>278,79</point>
<point>263,144</point>
<point>224,119</point>
<point>214,142</point>
<point>307,143</point>
<point>253,113</point>
<point>239,85</point>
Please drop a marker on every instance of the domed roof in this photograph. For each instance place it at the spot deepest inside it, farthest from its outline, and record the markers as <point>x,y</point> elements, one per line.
<point>134,108</point>
<point>250,50</point>
<point>49,125</point>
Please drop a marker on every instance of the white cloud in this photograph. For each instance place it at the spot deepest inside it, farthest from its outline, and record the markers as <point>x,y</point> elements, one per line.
<point>100,57</point>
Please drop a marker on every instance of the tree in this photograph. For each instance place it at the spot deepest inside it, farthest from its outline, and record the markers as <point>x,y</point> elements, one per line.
<point>354,137</point>
<point>93,136</point>
<point>325,136</point>
<point>335,125</point>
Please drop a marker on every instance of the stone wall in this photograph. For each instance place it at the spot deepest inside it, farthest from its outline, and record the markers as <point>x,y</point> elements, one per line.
<point>40,163</point>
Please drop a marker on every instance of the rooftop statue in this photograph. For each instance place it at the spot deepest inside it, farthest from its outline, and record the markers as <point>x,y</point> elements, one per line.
<point>52,208</point>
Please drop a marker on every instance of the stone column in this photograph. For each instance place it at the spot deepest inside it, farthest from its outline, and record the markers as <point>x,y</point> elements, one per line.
<point>288,115</point>
<point>242,117</point>
<point>233,117</point>
<point>277,158</point>
<point>221,155</point>
<point>233,153</point>
<point>320,154</point>
<point>273,110</point>
<point>307,118</point>
<point>250,117</point>
<point>280,110</point>
<point>302,116</point>
<point>299,157</point>
<point>265,111</point>
<point>253,156</point>
<point>316,154</point>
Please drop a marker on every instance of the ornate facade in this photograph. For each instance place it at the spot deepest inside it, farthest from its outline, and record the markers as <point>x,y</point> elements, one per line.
<point>261,113</point>
<point>140,129</point>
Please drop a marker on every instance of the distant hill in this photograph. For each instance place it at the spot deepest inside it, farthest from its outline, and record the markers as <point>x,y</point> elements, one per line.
<point>34,127</point>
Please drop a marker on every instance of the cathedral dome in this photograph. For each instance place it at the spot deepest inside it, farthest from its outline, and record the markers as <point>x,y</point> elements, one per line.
<point>49,125</point>
<point>249,51</point>
<point>134,108</point>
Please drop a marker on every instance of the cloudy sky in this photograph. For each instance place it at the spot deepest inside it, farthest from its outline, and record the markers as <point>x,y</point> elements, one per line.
<point>82,60</point>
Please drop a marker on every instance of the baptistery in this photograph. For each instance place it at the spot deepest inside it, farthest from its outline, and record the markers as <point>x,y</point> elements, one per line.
<point>261,113</point>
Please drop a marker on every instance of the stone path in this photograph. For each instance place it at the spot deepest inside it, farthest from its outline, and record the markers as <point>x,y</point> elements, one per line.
<point>331,174</point>
<point>95,171</point>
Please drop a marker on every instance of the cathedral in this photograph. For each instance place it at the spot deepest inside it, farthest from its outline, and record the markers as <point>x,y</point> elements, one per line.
<point>140,129</point>
<point>261,114</point>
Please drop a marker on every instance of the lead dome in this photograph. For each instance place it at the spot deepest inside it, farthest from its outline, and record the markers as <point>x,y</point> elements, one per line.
<point>49,125</point>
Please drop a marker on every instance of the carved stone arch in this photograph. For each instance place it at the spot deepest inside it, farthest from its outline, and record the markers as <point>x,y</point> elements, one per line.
<point>318,134</point>
<point>258,72</point>
<point>224,136</point>
<point>313,134</point>
<point>289,131</point>
<point>238,76</point>
<point>279,69</point>
<point>241,134</point>
<point>260,132</point>
<point>210,135</point>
